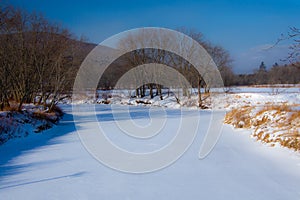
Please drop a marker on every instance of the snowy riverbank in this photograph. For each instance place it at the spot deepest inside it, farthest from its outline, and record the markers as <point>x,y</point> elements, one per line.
<point>32,119</point>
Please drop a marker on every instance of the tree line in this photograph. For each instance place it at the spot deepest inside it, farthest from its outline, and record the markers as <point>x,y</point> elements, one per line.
<point>277,74</point>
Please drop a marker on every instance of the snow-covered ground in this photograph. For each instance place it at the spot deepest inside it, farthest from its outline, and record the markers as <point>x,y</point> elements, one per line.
<point>222,98</point>
<point>55,165</point>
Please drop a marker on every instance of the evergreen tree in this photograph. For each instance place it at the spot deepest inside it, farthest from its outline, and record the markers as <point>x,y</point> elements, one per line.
<point>262,67</point>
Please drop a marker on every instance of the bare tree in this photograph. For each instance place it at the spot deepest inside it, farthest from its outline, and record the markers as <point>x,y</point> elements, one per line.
<point>220,56</point>
<point>294,36</point>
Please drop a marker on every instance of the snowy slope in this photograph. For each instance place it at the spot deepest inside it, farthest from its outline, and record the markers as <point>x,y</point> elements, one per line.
<point>55,165</point>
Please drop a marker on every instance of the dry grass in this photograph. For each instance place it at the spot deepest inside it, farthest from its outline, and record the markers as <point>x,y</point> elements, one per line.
<point>57,110</point>
<point>239,117</point>
<point>12,107</point>
<point>42,115</point>
<point>272,124</point>
<point>279,108</point>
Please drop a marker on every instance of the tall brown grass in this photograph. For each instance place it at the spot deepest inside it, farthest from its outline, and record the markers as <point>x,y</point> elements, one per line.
<point>272,124</point>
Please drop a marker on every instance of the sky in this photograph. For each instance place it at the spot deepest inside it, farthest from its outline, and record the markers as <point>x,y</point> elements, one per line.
<point>247,29</point>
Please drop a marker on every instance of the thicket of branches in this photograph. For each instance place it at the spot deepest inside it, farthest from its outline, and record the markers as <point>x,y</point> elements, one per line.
<point>37,59</point>
<point>138,57</point>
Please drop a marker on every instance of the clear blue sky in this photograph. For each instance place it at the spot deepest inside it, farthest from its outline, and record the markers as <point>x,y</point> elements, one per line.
<point>245,28</point>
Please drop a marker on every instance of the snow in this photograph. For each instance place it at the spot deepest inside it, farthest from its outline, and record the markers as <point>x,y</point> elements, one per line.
<point>235,100</point>
<point>55,164</point>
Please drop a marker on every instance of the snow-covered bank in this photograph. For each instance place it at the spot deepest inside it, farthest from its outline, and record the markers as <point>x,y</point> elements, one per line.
<point>271,114</point>
<point>32,119</point>
<point>273,124</point>
<point>57,166</point>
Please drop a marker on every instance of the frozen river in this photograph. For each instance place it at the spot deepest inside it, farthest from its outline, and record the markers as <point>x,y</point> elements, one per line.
<point>56,165</point>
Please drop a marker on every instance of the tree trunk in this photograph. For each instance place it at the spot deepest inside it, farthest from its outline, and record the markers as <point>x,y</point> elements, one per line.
<point>21,103</point>
<point>199,92</point>
<point>151,91</point>
<point>143,91</point>
<point>160,93</point>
